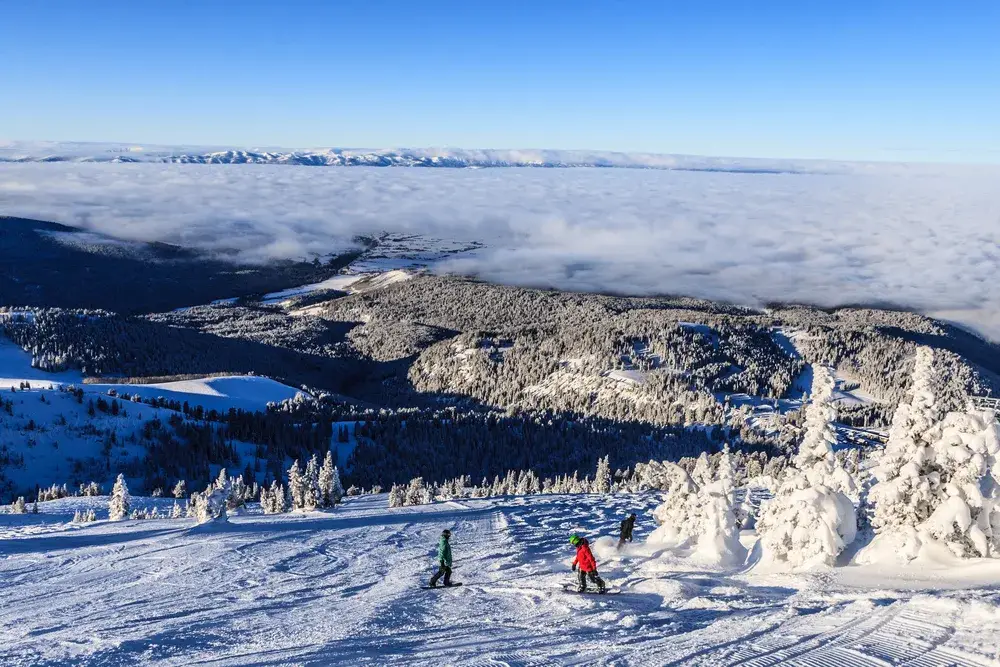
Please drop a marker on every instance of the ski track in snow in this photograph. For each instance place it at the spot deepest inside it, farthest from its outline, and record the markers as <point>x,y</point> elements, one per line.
<point>343,588</point>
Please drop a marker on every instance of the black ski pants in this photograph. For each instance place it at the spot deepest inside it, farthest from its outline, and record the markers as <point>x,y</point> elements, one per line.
<point>593,576</point>
<point>445,571</point>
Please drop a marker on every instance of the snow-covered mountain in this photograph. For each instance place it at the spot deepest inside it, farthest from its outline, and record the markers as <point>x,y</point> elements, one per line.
<point>455,158</point>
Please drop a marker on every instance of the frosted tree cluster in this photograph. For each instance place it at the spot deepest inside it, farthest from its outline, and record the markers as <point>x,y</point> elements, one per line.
<point>84,516</point>
<point>318,487</point>
<point>811,519</point>
<point>938,479</point>
<point>698,518</point>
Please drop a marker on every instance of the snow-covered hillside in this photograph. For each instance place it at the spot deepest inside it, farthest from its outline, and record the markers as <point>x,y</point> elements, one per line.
<point>58,435</point>
<point>342,588</point>
<point>211,393</point>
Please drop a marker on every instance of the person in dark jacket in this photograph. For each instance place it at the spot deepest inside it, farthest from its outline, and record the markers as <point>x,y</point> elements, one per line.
<point>627,526</point>
<point>586,565</point>
<point>444,560</point>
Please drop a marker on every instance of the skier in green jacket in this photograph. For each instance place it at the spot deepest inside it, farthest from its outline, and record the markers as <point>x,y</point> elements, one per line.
<point>444,560</point>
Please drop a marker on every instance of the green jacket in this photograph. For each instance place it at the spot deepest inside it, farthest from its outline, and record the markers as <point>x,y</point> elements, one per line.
<point>444,551</point>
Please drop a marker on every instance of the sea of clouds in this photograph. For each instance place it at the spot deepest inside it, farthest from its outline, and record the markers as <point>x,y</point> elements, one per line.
<point>922,237</point>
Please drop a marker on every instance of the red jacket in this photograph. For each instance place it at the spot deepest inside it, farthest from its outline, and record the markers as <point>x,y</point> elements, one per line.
<point>585,558</point>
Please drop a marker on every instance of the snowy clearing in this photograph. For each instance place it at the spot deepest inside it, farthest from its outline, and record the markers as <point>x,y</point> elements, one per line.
<point>352,283</point>
<point>343,588</point>
<point>213,393</point>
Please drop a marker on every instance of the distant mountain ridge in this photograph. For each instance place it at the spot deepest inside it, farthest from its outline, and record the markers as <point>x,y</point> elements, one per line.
<point>453,158</point>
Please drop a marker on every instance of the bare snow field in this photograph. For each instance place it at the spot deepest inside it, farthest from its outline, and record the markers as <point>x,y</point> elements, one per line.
<point>342,588</point>
<point>917,236</point>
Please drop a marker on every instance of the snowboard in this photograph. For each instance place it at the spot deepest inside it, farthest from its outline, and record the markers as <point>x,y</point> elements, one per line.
<point>428,588</point>
<point>590,591</point>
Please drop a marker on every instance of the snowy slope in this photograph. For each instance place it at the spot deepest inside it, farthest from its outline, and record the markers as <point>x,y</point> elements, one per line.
<point>342,589</point>
<point>59,441</point>
<point>218,393</point>
<point>351,283</point>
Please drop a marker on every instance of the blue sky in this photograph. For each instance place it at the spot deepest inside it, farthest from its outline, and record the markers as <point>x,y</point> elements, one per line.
<point>847,80</point>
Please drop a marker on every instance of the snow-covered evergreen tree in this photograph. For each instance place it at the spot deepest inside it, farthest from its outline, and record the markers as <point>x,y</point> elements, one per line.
<point>397,496</point>
<point>965,495</point>
<point>239,493</point>
<point>901,496</point>
<point>326,481</point>
<point>602,478</point>
<point>700,520</point>
<point>211,505</point>
<point>311,497</point>
<point>180,489</point>
<point>675,516</point>
<point>296,486</point>
<point>120,502</point>
<point>726,473</point>
<point>702,475</point>
<point>176,512</point>
<point>337,491</point>
<point>717,534</point>
<point>811,520</point>
<point>19,506</point>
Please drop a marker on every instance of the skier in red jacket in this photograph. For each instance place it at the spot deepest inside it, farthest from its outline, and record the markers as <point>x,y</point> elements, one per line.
<point>585,564</point>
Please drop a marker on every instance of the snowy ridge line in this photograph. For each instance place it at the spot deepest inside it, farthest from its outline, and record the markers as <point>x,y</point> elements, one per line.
<point>451,158</point>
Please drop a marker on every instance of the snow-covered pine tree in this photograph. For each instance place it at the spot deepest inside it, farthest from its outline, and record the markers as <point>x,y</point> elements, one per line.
<point>120,502</point>
<point>397,496</point>
<point>702,475</point>
<point>811,520</point>
<point>310,480</point>
<point>211,505</point>
<point>717,537</point>
<point>900,497</point>
<point>523,484</point>
<point>180,489</point>
<point>966,495</point>
<point>602,478</point>
<point>726,473</point>
<point>176,512</point>
<point>417,493</point>
<point>296,486</point>
<point>326,481</point>
<point>238,493</point>
<point>676,514</point>
<point>536,484</point>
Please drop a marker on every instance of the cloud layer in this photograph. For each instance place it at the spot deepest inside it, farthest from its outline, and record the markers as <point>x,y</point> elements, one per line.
<point>915,236</point>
